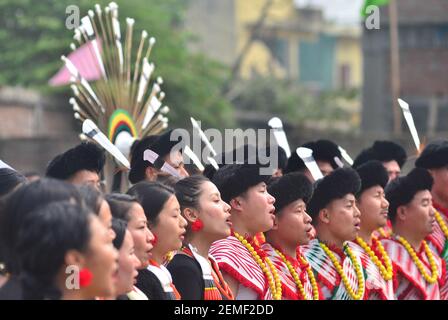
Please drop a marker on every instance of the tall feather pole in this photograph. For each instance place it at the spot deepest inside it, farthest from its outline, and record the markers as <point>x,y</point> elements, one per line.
<point>90,33</point>
<point>128,47</point>
<point>137,68</point>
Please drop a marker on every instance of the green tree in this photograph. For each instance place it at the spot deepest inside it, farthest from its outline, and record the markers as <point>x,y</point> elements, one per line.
<point>33,36</point>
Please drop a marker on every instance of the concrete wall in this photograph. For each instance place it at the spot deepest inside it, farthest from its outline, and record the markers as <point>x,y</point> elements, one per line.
<point>34,129</point>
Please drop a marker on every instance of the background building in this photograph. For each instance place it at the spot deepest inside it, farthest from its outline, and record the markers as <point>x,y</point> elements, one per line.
<point>291,42</point>
<point>423,48</point>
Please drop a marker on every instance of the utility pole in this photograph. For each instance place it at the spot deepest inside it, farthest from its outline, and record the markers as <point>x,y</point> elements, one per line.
<point>394,65</point>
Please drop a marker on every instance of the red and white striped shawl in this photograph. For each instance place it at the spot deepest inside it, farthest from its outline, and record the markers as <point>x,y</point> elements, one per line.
<point>234,259</point>
<point>327,277</point>
<point>438,243</point>
<point>289,287</point>
<point>411,284</point>
<point>437,239</point>
<point>377,287</point>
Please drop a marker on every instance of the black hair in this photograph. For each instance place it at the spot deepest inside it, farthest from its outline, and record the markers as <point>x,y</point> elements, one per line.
<point>43,240</point>
<point>9,180</point>
<point>402,190</point>
<point>372,173</point>
<point>21,203</point>
<point>235,179</point>
<point>323,150</point>
<point>120,204</point>
<point>167,180</point>
<point>119,226</point>
<point>383,151</point>
<point>188,191</point>
<point>152,196</point>
<point>209,171</point>
<point>85,156</point>
<point>363,157</point>
<point>93,198</point>
<point>435,155</point>
<point>282,158</point>
<point>138,165</point>
<point>160,144</point>
<point>250,155</point>
<point>192,169</point>
<point>336,185</point>
<point>289,188</point>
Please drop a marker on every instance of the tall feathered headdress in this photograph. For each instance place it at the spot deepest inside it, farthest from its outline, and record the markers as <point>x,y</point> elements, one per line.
<point>122,105</point>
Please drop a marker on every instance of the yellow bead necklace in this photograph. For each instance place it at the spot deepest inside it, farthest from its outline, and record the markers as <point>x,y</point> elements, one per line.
<point>435,273</point>
<point>275,284</point>
<point>382,232</point>
<point>386,271</point>
<point>360,292</point>
<point>441,223</point>
<point>297,279</point>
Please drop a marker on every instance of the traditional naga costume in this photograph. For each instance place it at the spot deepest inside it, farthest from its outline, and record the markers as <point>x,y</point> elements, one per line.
<point>378,269</point>
<point>438,241</point>
<point>383,151</point>
<point>121,103</point>
<point>377,264</point>
<point>435,155</point>
<point>296,275</point>
<point>245,261</point>
<point>198,278</point>
<point>339,272</point>
<point>420,272</point>
<point>166,290</point>
<point>240,256</point>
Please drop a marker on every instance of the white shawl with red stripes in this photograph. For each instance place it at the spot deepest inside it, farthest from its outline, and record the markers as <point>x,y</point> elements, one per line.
<point>234,259</point>
<point>412,285</point>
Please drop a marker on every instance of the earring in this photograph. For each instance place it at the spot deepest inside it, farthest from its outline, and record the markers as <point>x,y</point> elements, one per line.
<point>154,241</point>
<point>197,225</point>
<point>85,277</point>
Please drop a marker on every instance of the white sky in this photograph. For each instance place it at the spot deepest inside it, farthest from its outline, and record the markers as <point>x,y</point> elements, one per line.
<point>342,11</point>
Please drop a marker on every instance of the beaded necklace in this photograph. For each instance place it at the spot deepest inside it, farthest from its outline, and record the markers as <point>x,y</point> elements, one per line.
<point>275,284</point>
<point>441,223</point>
<point>386,270</point>
<point>360,292</point>
<point>296,278</point>
<point>435,273</point>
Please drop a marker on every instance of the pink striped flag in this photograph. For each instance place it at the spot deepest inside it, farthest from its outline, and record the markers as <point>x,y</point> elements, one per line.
<point>84,60</point>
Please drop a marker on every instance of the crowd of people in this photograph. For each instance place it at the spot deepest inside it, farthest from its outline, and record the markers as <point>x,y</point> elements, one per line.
<point>365,232</point>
